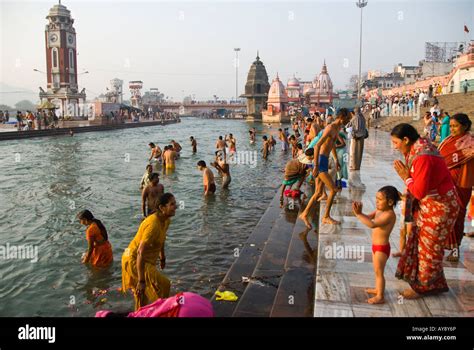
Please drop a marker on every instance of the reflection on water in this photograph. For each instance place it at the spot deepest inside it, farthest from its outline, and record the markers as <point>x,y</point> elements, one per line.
<point>45,182</point>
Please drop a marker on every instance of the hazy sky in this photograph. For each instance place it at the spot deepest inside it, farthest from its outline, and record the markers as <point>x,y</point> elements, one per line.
<point>188,46</point>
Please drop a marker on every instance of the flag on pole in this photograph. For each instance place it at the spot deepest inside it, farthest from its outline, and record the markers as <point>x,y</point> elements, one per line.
<point>466,29</point>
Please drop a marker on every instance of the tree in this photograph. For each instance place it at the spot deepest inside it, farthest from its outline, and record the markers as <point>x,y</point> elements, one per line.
<point>25,105</point>
<point>6,108</point>
<point>354,81</point>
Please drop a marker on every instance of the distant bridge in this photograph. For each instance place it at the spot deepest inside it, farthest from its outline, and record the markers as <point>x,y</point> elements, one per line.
<point>199,107</point>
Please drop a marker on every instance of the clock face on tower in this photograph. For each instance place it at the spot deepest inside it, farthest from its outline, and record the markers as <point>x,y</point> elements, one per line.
<point>70,39</point>
<point>53,38</point>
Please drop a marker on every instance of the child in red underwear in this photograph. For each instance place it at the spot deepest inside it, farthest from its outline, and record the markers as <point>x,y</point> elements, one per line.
<point>381,221</point>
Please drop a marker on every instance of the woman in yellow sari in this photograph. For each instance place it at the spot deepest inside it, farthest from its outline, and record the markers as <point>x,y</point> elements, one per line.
<point>139,260</point>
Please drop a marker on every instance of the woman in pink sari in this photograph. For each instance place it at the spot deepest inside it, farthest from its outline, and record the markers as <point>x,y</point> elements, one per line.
<point>185,304</point>
<point>458,152</point>
<point>428,180</point>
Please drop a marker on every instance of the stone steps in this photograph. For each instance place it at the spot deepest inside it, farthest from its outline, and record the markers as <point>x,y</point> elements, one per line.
<point>280,265</point>
<point>257,299</point>
<point>247,260</point>
<point>295,295</point>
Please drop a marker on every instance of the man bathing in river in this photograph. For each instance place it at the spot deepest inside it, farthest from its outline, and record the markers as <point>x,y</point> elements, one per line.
<point>207,178</point>
<point>156,154</point>
<point>169,158</point>
<point>221,145</point>
<point>323,147</point>
<point>176,147</point>
<point>223,168</point>
<point>193,144</point>
<point>151,195</point>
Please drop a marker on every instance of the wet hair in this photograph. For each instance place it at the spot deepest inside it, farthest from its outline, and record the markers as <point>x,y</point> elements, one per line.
<point>201,163</point>
<point>310,120</point>
<point>405,130</point>
<point>87,215</point>
<point>192,137</point>
<point>391,193</point>
<point>220,137</point>
<point>151,144</point>
<point>299,145</point>
<point>463,119</point>
<point>292,137</point>
<point>309,152</point>
<point>343,113</point>
<point>153,175</point>
<point>164,199</point>
<point>264,137</point>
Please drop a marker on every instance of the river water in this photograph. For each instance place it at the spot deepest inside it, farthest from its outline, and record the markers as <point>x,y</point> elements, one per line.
<point>45,182</point>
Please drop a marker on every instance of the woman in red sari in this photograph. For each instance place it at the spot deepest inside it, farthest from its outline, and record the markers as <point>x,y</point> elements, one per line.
<point>428,180</point>
<point>458,152</point>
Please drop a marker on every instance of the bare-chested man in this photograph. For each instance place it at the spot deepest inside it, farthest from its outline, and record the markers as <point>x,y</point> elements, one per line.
<point>224,170</point>
<point>193,144</point>
<point>265,147</point>
<point>284,140</point>
<point>221,145</point>
<point>151,195</point>
<point>294,146</point>
<point>207,178</point>
<point>176,147</point>
<point>155,152</point>
<point>252,136</point>
<point>169,158</point>
<point>314,128</point>
<point>232,144</point>
<point>323,147</point>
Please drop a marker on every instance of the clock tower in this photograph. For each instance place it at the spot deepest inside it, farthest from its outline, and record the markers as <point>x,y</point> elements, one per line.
<point>61,63</point>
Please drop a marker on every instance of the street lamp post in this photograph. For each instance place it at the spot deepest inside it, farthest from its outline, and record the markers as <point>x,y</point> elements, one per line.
<point>360,4</point>
<point>237,49</point>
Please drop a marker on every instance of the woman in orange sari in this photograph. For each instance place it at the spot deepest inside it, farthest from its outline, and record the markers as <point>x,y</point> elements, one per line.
<point>458,152</point>
<point>99,252</point>
<point>428,180</point>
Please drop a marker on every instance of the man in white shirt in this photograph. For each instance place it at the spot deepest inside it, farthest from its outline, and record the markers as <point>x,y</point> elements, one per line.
<point>435,108</point>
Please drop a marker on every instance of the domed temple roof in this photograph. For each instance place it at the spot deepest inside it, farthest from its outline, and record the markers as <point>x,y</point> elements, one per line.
<point>293,82</point>
<point>277,93</point>
<point>322,83</point>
